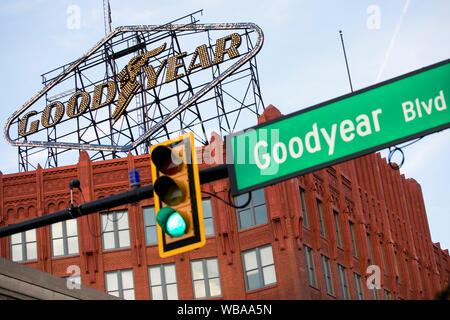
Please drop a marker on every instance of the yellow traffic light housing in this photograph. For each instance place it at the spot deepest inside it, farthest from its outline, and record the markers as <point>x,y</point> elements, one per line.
<point>176,190</point>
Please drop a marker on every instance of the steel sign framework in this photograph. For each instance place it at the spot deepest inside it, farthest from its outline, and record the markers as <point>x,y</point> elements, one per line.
<point>141,85</point>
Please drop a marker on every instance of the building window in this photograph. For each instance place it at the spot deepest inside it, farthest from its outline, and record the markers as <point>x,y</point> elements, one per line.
<point>206,278</point>
<point>255,213</point>
<point>120,283</point>
<point>358,286</point>
<point>387,295</point>
<point>399,268</point>
<point>259,267</point>
<point>208,221</point>
<point>64,236</point>
<point>115,230</point>
<point>382,258</point>
<point>352,235</point>
<point>305,212</point>
<point>163,282</point>
<point>151,236</point>
<point>343,280</point>
<point>322,225</point>
<point>24,246</point>
<point>327,275</point>
<point>408,272</point>
<point>338,232</point>
<point>370,249</point>
<point>310,268</point>
<point>375,294</point>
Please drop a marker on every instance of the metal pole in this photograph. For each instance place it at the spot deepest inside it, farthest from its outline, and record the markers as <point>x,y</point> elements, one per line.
<point>134,195</point>
<point>346,62</point>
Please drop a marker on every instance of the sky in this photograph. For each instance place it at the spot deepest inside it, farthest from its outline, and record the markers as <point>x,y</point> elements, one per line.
<point>300,64</point>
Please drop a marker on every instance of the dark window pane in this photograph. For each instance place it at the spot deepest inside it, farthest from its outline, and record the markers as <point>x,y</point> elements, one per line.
<point>149,216</point>
<point>151,236</point>
<point>245,218</point>
<point>260,215</point>
<point>241,200</point>
<point>209,227</point>
<point>254,281</point>
<point>207,209</point>
<point>258,197</point>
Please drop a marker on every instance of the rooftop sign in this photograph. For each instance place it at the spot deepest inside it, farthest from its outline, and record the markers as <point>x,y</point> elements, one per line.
<point>131,85</point>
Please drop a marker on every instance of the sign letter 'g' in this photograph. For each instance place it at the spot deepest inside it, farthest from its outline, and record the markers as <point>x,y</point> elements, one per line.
<point>23,124</point>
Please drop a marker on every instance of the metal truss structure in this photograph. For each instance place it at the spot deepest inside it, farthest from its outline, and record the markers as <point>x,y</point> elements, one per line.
<point>222,97</point>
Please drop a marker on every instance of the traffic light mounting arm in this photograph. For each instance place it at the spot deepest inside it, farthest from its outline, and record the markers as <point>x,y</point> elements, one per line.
<point>207,175</point>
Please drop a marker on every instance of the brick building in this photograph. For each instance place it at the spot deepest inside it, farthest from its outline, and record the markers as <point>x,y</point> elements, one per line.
<point>311,237</point>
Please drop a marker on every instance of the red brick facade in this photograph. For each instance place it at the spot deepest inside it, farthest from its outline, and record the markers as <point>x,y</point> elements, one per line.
<point>376,199</point>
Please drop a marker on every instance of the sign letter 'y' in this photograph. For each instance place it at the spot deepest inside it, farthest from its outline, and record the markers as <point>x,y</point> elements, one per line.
<point>127,78</point>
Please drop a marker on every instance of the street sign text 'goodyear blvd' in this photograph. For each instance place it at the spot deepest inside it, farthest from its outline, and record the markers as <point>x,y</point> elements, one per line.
<point>397,110</point>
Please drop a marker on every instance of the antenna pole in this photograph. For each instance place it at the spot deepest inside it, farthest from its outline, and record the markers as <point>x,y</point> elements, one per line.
<point>346,62</point>
<point>107,16</point>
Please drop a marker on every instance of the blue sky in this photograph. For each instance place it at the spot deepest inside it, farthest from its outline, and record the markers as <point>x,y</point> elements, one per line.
<point>300,64</point>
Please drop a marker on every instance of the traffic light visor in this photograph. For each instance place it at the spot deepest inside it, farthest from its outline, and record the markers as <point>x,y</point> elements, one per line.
<point>168,191</point>
<point>166,160</point>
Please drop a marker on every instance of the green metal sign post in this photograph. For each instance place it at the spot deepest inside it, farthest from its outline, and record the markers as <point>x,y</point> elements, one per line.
<point>371,119</point>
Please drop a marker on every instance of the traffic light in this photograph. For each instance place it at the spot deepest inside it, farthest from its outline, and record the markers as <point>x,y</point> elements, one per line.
<point>176,191</point>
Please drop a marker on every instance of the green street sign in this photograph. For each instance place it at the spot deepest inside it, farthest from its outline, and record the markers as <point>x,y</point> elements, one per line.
<point>371,119</point>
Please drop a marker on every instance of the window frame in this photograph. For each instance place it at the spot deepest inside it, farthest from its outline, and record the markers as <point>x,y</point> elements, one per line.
<point>163,280</point>
<point>369,246</point>
<point>343,280</point>
<point>352,237</point>
<point>210,219</point>
<point>358,286</point>
<point>206,278</point>
<point>65,239</point>
<point>338,230</point>
<point>383,258</point>
<point>145,213</point>
<point>120,288</point>
<point>252,208</point>
<point>259,267</point>
<point>116,230</point>
<point>310,266</point>
<point>304,209</point>
<point>23,246</point>
<point>323,232</point>
<point>328,275</point>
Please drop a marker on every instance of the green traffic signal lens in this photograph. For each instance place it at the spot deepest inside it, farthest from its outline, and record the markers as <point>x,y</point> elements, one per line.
<point>171,222</point>
<point>176,226</point>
